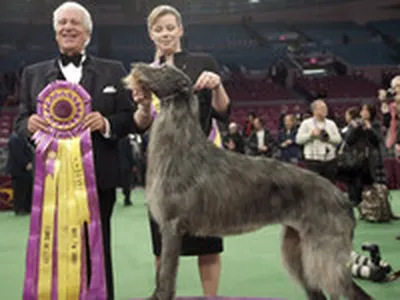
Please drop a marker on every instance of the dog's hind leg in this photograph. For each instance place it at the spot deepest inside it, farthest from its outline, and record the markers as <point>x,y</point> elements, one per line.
<point>167,272</point>
<point>292,259</point>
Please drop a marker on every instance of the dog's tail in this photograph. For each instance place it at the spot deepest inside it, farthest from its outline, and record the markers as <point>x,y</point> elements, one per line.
<point>325,262</point>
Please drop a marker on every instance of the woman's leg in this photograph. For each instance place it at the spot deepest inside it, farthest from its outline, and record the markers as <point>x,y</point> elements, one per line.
<point>210,269</point>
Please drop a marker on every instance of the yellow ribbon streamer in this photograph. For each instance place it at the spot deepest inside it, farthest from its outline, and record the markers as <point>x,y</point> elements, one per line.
<point>63,223</point>
<point>47,233</point>
<point>73,212</point>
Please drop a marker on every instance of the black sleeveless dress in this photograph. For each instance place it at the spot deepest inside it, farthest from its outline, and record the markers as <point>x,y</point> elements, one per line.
<point>193,65</point>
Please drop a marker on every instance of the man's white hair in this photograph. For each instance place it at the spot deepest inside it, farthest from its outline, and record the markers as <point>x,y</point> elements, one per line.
<point>87,18</point>
<point>395,81</point>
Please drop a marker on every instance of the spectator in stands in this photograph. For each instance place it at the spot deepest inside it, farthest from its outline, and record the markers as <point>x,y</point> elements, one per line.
<point>248,125</point>
<point>19,166</point>
<point>363,135</point>
<point>234,140</point>
<point>261,141</point>
<point>284,112</point>
<point>290,150</point>
<point>350,115</point>
<point>370,129</point>
<point>298,115</point>
<point>390,114</point>
<point>320,137</point>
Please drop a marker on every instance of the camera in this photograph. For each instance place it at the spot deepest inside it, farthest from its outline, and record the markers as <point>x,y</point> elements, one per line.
<point>359,122</point>
<point>390,93</point>
<point>370,267</point>
<point>324,136</point>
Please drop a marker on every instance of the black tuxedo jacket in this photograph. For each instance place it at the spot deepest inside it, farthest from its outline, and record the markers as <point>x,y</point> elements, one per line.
<point>117,107</point>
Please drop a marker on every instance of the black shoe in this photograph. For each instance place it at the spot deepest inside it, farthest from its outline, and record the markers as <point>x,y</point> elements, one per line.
<point>127,203</point>
<point>21,213</point>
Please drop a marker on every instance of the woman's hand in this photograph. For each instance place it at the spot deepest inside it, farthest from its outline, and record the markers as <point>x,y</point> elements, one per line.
<point>367,124</point>
<point>208,80</point>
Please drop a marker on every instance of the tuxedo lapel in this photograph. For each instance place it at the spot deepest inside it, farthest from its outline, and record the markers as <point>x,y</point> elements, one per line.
<point>53,72</point>
<point>88,80</point>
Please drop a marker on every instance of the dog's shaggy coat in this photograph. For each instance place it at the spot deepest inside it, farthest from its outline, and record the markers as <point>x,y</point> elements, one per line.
<point>194,187</point>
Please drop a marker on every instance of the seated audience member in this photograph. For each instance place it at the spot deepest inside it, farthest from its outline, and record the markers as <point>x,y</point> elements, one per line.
<point>290,150</point>
<point>248,125</point>
<point>320,137</point>
<point>261,141</point>
<point>233,140</point>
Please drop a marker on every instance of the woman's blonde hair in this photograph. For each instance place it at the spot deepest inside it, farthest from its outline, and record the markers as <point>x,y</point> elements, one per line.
<point>161,11</point>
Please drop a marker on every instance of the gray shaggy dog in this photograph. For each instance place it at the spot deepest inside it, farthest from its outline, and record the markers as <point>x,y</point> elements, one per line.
<point>196,188</point>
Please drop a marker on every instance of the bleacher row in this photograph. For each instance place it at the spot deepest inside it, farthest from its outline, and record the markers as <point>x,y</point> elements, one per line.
<point>230,43</point>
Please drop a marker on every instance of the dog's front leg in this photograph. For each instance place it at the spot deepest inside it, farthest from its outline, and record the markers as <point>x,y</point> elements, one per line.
<point>167,271</point>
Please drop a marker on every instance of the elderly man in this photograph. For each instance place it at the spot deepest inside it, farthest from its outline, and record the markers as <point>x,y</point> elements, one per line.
<point>320,137</point>
<point>112,115</point>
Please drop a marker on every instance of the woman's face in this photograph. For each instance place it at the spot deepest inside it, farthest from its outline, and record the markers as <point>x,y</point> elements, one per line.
<point>347,117</point>
<point>365,115</point>
<point>166,34</point>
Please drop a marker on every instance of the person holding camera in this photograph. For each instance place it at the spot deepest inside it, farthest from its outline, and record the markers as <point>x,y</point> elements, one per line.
<point>320,137</point>
<point>391,115</point>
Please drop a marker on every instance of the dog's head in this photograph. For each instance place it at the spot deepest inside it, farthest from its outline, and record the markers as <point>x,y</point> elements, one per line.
<point>164,81</point>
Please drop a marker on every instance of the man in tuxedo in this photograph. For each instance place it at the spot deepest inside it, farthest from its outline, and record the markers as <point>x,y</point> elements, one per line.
<point>112,109</point>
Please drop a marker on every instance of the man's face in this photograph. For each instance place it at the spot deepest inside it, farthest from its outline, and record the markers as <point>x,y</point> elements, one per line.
<point>289,122</point>
<point>321,110</point>
<point>71,34</point>
<point>257,124</point>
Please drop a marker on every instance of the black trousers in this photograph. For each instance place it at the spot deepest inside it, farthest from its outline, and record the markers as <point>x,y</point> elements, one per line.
<point>22,188</point>
<point>126,183</point>
<point>107,200</point>
<point>327,169</point>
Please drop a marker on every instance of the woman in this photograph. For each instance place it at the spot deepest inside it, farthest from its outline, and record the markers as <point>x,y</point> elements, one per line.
<point>166,30</point>
<point>370,185</point>
<point>351,114</point>
<point>355,139</point>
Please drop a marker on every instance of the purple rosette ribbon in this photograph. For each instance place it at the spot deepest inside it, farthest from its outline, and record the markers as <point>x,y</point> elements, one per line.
<point>63,105</point>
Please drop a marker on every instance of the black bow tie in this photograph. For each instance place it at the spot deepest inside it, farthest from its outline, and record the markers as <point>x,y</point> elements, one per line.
<point>75,59</point>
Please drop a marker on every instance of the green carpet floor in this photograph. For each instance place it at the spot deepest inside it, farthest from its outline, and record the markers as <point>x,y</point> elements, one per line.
<point>251,263</point>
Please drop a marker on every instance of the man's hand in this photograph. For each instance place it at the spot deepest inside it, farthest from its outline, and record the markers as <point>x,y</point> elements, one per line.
<point>36,123</point>
<point>29,166</point>
<point>95,121</point>
<point>397,149</point>
<point>263,148</point>
<point>286,143</point>
<point>382,95</point>
<point>316,132</point>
